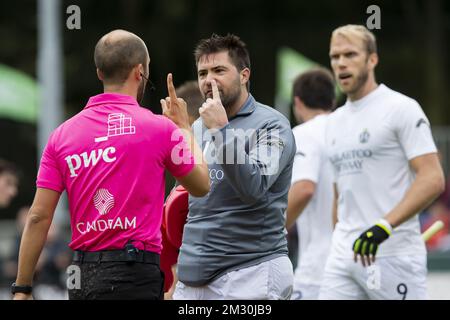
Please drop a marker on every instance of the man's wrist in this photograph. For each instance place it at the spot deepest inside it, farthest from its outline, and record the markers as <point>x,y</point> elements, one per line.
<point>385,225</point>
<point>21,288</point>
<point>223,125</point>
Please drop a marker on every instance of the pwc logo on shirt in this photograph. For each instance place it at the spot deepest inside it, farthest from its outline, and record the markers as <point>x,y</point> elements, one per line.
<point>75,161</point>
<point>118,125</point>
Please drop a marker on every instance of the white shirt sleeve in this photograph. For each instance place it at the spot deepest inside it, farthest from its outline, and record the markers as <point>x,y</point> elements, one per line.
<point>307,158</point>
<point>413,130</point>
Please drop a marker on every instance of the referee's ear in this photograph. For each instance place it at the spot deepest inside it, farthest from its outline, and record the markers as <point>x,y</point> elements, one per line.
<point>100,75</point>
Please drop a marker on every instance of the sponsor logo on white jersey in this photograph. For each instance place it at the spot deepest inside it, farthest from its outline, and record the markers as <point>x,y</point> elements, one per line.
<point>364,136</point>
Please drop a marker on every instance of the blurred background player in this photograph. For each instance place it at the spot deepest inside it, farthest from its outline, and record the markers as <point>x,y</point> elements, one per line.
<point>386,171</point>
<point>9,181</point>
<point>8,267</point>
<point>311,192</point>
<point>176,206</point>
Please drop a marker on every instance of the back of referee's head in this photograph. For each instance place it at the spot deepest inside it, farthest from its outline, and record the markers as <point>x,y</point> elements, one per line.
<point>117,53</point>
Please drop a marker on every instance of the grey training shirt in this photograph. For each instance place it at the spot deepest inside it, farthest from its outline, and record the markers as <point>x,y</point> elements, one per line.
<point>240,222</point>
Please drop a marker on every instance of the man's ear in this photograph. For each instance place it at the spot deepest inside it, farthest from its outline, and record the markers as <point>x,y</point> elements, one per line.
<point>299,105</point>
<point>297,102</point>
<point>137,71</point>
<point>100,75</point>
<point>245,76</point>
<point>298,108</point>
<point>373,60</point>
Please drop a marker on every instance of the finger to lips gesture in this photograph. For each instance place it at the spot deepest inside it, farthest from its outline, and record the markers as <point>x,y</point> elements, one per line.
<point>173,107</point>
<point>212,111</point>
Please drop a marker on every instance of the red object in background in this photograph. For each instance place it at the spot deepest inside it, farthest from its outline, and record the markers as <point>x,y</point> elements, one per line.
<point>175,213</point>
<point>169,257</point>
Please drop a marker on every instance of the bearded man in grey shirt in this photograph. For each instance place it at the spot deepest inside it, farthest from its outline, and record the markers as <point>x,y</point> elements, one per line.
<point>234,244</point>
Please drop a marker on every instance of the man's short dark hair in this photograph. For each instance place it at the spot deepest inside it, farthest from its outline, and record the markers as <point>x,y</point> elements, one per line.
<point>237,50</point>
<point>116,58</point>
<point>190,92</point>
<point>315,89</point>
<point>8,167</point>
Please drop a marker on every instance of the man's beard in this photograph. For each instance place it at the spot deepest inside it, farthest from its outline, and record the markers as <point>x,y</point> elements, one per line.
<point>141,91</point>
<point>360,81</point>
<point>230,99</point>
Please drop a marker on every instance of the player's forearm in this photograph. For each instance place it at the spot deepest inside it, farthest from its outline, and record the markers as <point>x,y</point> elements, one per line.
<point>33,240</point>
<point>335,206</point>
<point>195,149</point>
<point>298,199</point>
<point>425,188</point>
<point>334,213</point>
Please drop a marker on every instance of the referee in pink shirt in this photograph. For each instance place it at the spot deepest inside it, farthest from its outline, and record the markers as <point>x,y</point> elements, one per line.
<point>110,159</point>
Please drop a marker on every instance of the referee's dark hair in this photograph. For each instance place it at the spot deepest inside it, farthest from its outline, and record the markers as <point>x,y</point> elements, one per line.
<point>117,53</point>
<point>315,88</point>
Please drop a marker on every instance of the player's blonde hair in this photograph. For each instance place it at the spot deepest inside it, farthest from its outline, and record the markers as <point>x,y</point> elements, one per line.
<point>351,31</point>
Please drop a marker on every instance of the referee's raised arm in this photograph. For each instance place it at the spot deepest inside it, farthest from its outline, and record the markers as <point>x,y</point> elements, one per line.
<point>174,108</point>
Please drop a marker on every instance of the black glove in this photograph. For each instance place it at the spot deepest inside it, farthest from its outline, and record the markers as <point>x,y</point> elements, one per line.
<point>367,244</point>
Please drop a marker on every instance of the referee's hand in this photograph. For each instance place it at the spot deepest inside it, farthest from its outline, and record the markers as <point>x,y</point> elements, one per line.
<point>366,245</point>
<point>175,108</point>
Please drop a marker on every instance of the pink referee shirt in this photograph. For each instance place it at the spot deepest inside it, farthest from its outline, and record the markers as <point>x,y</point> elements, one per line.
<point>110,158</point>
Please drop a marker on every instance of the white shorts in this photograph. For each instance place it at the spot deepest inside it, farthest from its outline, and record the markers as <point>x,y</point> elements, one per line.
<point>303,291</point>
<point>390,278</point>
<point>269,280</point>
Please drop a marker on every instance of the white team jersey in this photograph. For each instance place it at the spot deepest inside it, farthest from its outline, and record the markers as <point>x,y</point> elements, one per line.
<point>315,223</point>
<point>370,142</point>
